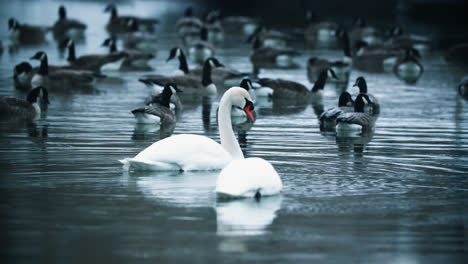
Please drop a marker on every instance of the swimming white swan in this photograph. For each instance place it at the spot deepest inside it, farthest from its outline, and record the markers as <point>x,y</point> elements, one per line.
<point>194,152</point>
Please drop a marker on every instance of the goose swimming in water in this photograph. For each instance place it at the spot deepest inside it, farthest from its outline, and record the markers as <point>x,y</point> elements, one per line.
<point>357,122</point>
<point>24,34</point>
<point>67,28</point>
<point>14,108</point>
<point>290,89</point>
<point>94,62</point>
<point>119,24</point>
<point>269,57</point>
<point>373,107</point>
<point>59,78</point>
<point>158,113</point>
<point>188,84</point>
<point>328,118</point>
<point>133,58</point>
<point>200,50</point>
<point>408,67</point>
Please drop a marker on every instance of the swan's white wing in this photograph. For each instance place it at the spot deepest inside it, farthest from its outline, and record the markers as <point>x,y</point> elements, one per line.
<point>183,152</point>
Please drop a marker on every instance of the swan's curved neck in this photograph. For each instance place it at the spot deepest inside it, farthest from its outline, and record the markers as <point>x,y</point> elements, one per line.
<point>228,139</point>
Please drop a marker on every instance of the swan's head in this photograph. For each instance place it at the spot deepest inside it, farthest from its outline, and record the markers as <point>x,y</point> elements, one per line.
<point>240,97</point>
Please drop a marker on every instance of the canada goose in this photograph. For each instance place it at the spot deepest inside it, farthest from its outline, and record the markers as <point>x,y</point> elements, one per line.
<point>463,87</point>
<point>269,38</point>
<point>26,34</point>
<point>373,106</point>
<point>408,67</point>
<point>175,102</point>
<point>138,40</point>
<point>188,22</point>
<point>119,24</point>
<point>188,84</point>
<point>200,50</point>
<point>328,118</point>
<point>290,89</point>
<point>133,58</point>
<point>238,25</point>
<point>341,68</point>
<point>269,57</point>
<point>14,108</point>
<point>59,78</point>
<point>458,54</point>
<point>65,27</point>
<point>357,122</point>
<point>158,113</point>
<point>323,31</point>
<point>94,62</point>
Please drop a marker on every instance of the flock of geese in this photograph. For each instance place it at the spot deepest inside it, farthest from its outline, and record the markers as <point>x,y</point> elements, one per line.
<point>365,48</point>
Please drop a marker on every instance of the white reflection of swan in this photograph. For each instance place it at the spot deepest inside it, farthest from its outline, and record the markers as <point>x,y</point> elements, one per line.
<point>174,188</point>
<point>246,217</point>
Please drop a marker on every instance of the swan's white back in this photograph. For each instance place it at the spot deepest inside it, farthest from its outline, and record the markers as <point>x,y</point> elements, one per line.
<point>181,152</point>
<point>246,177</point>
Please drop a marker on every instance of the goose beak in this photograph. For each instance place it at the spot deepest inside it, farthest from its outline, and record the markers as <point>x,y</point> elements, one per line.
<point>248,108</point>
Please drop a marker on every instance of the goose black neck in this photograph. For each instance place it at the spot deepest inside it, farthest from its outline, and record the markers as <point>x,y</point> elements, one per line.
<point>320,83</point>
<point>183,66</point>
<point>34,93</point>
<point>206,79</point>
<point>62,13</point>
<point>166,97</point>
<point>359,104</point>
<point>44,68</point>
<point>71,53</point>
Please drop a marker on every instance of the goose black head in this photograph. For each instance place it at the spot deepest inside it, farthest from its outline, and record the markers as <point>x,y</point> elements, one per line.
<point>110,8</point>
<point>216,63</point>
<point>361,83</point>
<point>111,43</point>
<point>345,100</point>
<point>40,55</point>
<point>246,84</point>
<point>62,12</point>
<point>22,67</point>
<point>12,23</point>
<point>175,52</point>
<point>34,93</point>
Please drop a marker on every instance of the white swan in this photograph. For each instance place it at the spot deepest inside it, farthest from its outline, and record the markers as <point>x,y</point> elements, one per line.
<point>193,152</point>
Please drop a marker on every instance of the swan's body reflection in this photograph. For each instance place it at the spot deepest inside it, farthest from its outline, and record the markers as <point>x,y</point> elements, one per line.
<point>246,217</point>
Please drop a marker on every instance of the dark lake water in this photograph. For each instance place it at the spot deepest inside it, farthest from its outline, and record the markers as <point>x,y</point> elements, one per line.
<point>397,196</point>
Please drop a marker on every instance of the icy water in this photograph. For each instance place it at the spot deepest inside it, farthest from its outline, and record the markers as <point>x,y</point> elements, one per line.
<point>397,196</point>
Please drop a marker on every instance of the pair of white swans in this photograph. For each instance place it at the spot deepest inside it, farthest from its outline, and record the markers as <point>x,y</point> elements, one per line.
<point>240,177</point>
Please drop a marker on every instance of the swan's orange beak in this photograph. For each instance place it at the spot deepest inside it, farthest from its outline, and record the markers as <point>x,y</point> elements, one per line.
<point>248,108</point>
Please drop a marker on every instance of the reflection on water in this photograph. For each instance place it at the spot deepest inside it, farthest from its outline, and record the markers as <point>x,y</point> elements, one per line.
<point>398,194</point>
